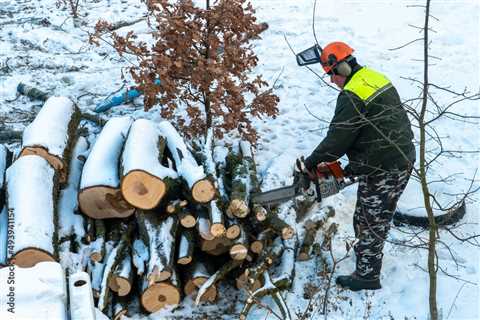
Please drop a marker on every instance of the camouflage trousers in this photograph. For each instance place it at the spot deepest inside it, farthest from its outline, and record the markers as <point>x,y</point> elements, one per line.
<point>377,198</point>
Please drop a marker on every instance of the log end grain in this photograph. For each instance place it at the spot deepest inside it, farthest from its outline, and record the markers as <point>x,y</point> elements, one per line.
<point>184,260</point>
<point>217,229</point>
<point>142,190</point>
<point>256,246</point>
<point>203,191</point>
<point>160,295</point>
<point>233,232</point>
<point>238,252</point>
<point>120,285</point>
<point>102,202</point>
<point>238,208</point>
<point>188,221</point>
<point>29,257</point>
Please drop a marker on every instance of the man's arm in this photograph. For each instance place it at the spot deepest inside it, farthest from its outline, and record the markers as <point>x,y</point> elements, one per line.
<point>342,132</point>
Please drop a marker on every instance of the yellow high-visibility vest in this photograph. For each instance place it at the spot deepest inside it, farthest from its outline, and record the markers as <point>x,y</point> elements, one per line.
<point>368,84</point>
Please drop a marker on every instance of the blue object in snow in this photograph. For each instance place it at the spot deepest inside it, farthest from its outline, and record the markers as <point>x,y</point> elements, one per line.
<point>122,98</point>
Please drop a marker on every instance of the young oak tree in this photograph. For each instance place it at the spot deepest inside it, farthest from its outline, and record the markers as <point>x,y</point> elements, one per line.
<point>203,58</point>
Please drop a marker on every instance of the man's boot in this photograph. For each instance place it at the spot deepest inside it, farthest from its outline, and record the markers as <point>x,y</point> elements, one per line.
<point>355,282</point>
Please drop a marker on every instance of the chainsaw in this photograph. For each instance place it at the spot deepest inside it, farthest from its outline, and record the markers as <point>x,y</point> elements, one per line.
<point>324,181</point>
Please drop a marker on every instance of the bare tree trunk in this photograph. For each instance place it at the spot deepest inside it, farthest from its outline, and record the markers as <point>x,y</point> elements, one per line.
<point>432,268</point>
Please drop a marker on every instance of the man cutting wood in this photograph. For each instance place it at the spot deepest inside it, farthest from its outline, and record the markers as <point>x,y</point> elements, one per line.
<point>371,127</point>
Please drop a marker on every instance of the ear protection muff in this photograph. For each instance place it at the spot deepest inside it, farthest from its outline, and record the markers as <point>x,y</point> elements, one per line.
<point>343,69</point>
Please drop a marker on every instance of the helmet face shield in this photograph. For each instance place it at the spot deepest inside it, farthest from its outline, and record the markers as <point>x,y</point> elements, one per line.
<point>309,56</point>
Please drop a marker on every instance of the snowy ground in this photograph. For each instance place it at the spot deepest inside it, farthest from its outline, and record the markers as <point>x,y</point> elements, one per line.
<point>57,58</point>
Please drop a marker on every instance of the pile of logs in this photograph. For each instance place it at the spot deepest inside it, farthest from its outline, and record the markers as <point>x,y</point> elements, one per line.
<point>149,211</point>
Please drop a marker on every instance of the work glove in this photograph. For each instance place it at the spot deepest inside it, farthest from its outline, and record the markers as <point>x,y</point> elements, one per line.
<point>300,165</point>
<point>348,171</point>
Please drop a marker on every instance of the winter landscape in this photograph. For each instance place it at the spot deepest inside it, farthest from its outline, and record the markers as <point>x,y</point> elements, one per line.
<point>81,238</point>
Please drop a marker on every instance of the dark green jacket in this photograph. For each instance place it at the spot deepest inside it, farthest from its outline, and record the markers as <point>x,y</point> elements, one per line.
<point>374,133</point>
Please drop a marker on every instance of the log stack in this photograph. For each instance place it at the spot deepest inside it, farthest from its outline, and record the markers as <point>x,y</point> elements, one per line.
<point>160,220</point>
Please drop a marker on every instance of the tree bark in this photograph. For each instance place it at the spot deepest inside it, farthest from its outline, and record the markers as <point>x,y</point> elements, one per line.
<point>159,235</point>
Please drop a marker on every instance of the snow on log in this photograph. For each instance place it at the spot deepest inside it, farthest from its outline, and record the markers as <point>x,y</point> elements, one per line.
<point>144,179</point>
<point>202,189</point>
<point>203,225</point>
<point>185,248</point>
<point>100,195</point>
<point>122,278</point>
<point>120,307</point>
<point>52,132</point>
<point>81,299</point>
<point>197,275</point>
<point>30,200</point>
<point>71,225</point>
<point>139,256</point>
<point>159,235</point>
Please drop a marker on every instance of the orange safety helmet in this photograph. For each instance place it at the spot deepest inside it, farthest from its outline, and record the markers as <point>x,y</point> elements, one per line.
<point>334,53</point>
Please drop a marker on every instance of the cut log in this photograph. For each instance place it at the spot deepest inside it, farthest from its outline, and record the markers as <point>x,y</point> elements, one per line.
<point>100,196</point>
<point>265,261</point>
<point>260,212</point>
<point>158,295</point>
<point>159,235</point>
<point>244,182</point>
<point>122,278</point>
<point>216,277</point>
<point>262,241</point>
<point>197,275</point>
<point>95,269</point>
<point>285,272</point>
<point>203,225</point>
<point>145,180</point>
<point>81,299</point>
<point>311,228</point>
<point>217,226</point>
<point>97,247</point>
<point>202,189</point>
<point>239,249</point>
<point>233,228</point>
<point>185,248</point>
<point>115,257</point>
<point>278,225</point>
<point>35,221</point>
<point>52,133</point>
<point>185,214</point>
